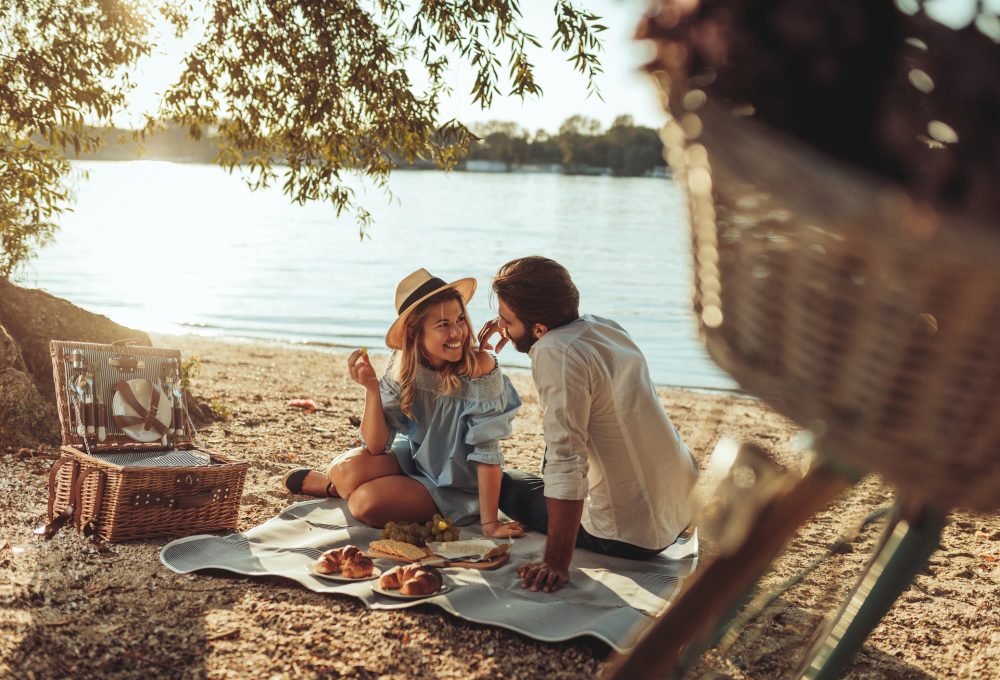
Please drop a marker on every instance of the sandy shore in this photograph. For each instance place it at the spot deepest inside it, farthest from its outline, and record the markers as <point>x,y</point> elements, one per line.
<point>70,606</point>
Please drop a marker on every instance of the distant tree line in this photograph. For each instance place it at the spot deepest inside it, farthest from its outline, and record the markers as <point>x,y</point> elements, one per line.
<point>579,147</point>
<point>625,149</point>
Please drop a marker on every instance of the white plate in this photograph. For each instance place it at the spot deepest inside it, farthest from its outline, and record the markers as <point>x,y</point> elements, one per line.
<point>311,568</point>
<point>376,588</point>
<point>143,391</point>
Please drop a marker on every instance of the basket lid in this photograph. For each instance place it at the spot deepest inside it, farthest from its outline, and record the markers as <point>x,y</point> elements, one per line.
<point>114,395</point>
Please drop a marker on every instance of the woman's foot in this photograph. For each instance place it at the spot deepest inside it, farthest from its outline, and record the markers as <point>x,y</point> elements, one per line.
<point>304,481</point>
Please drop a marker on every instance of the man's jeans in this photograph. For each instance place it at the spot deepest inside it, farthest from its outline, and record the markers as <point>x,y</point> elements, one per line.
<point>522,498</point>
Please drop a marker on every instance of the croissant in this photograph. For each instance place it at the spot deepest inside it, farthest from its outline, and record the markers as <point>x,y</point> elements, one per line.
<point>357,566</point>
<point>328,563</point>
<point>422,582</point>
<point>411,579</point>
<point>390,579</point>
<point>334,561</point>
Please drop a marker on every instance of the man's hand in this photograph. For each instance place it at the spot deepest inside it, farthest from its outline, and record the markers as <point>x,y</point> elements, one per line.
<point>552,572</point>
<point>542,576</point>
<point>491,328</point>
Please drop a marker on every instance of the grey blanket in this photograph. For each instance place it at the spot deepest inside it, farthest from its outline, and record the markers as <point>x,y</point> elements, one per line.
<point>608,598</point>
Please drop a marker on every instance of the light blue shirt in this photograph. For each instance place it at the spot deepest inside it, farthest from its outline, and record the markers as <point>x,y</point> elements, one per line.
<point>450,434</point>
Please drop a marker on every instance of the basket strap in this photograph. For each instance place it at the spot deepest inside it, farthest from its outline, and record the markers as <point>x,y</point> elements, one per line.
<point>74,497</point>
<point>78,500</point>
<point>146,417</point>
<point>53,473</point>
<point>56,523</point>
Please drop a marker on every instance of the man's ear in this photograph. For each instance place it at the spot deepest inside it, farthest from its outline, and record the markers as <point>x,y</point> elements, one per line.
<point>539,329</point>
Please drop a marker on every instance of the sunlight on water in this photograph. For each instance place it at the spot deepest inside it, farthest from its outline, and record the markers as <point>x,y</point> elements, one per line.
<point>187,248</point>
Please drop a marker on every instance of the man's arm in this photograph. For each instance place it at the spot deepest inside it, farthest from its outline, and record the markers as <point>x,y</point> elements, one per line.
<point>553,571</point>
<point>563,384</point>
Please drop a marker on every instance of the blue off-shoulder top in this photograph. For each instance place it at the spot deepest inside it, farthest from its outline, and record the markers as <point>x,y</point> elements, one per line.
<point>450,434</point>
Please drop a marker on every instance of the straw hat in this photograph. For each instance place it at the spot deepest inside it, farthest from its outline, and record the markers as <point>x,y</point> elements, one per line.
<point>416,288</point>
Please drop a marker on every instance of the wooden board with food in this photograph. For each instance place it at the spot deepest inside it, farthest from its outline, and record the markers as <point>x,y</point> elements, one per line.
<point>399,551</point>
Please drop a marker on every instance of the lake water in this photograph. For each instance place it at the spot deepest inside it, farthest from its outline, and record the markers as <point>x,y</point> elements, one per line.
<point>180,248</point>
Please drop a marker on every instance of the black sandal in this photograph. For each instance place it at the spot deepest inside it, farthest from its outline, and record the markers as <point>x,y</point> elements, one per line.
<point>295,479</point>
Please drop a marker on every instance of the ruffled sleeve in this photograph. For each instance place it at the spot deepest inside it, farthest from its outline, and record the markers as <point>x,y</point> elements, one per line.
<point>395,419</point>
<point>489,411</point>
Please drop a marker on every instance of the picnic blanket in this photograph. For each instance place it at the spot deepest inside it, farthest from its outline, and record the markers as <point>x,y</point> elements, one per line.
<point>608,598</point>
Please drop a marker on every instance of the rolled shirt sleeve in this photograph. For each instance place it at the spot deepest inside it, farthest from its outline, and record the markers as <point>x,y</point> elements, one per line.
<point>490,421</point>
<point>563,383</point>
<point>395,419</point>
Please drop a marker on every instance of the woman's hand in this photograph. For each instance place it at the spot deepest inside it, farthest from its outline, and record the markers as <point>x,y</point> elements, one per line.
<point>503,530</point>
<point>362,372</point>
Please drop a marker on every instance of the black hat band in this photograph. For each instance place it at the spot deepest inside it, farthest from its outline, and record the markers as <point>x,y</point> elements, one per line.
<point>426,287</point>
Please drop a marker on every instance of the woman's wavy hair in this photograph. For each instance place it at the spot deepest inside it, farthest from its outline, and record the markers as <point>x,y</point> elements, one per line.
<point>405,361</point>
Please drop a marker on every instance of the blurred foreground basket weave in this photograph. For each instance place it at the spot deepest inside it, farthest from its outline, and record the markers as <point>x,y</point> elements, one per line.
<point>861,315</point>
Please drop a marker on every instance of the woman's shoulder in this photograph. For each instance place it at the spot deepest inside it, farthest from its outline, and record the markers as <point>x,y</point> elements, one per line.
<point>486,363</point>
<point>489,384</point>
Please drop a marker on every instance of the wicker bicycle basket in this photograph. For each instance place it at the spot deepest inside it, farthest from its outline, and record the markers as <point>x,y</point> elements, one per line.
<point>867,318</point>
<point>120,489</point>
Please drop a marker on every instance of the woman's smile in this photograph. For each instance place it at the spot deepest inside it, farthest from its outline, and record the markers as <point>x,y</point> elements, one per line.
<point>445,334</point>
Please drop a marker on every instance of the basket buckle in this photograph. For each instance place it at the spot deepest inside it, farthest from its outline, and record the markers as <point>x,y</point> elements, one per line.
<point>187,480</point>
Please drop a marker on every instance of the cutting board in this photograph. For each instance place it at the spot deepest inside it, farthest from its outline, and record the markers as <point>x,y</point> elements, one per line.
<point>486,564</point>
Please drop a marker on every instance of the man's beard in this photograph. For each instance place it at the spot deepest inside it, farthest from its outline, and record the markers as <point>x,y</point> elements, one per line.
<point>523,343</point>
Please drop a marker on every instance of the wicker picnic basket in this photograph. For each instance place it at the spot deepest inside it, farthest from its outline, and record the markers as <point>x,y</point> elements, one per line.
<point>849,305</point>
<point>869,320</point>
<point>110,485</point>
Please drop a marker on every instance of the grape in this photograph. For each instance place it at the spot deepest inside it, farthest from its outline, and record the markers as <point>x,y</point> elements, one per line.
<point>438,528</point>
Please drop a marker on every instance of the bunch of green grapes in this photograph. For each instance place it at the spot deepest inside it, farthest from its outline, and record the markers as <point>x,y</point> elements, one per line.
<point>437,528</point>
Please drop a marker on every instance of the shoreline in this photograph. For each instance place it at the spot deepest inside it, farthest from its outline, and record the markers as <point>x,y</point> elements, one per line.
<point>381,351</point>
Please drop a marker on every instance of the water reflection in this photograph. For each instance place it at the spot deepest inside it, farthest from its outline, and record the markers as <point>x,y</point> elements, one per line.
<point>174,248</point>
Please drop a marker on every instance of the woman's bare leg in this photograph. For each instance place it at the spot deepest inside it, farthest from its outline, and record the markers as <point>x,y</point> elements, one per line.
<point>353,468</point>
<point>348,471</point>
<point>395,498</point>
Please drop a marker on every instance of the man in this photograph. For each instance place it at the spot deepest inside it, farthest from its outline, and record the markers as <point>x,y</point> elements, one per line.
<point>616,477</point>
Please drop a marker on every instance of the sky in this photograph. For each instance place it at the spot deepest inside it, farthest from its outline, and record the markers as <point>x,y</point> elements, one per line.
<point>623,87</point>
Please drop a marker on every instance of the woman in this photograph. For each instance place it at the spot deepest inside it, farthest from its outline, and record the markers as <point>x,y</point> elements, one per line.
<point>449,405</point>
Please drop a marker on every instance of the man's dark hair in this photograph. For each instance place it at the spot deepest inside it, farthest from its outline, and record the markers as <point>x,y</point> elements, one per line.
<point>538,290</point>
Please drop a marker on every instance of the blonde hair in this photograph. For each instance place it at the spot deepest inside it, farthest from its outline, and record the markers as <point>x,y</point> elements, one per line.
<point>406,360</point>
